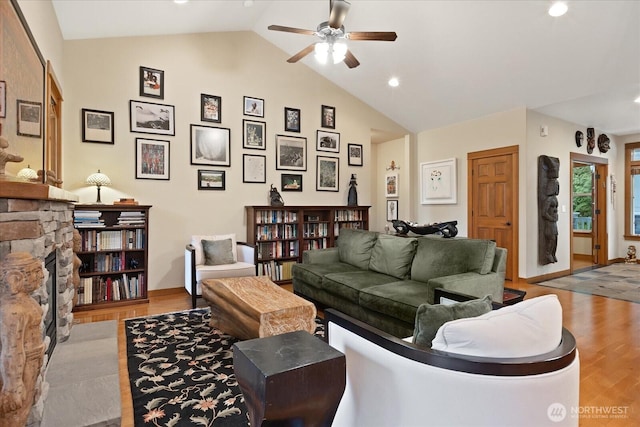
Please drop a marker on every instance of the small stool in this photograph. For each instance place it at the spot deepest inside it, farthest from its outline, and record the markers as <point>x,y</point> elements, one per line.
<point>292,379</point>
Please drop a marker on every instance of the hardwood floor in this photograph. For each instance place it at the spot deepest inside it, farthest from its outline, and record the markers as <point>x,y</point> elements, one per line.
<point>607,332</point>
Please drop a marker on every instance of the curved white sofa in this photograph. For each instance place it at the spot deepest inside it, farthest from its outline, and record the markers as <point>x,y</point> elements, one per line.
<point>392,382</point>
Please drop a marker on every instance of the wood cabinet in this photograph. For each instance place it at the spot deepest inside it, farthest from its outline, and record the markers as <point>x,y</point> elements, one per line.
<point>281,234</point>
<point>113,255</point>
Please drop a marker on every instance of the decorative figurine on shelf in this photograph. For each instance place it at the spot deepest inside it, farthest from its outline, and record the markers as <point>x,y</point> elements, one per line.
<point>275,197</point>
<point>6,157</point>
<point>352,200</point>
<point>631,255</point>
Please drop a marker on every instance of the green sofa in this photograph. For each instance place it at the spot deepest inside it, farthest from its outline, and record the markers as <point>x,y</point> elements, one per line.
<point>381,279</point>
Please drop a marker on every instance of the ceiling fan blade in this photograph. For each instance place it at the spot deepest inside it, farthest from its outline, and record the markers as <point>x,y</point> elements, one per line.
<point>387,36</point>
<point>304,52</point>
<point>351,60</point>
<point>291,30</point>
<point>338,12</point>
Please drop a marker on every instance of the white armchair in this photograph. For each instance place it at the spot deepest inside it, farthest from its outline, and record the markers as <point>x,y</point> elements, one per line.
<point>195,269</point>
<point>393,382</point>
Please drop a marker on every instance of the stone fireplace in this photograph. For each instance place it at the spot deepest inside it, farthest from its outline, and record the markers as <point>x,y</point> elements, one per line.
<point>38,219</point>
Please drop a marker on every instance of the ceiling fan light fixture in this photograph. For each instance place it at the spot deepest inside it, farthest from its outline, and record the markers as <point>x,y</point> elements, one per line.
<point>338,51</point>
<point>321,52</point>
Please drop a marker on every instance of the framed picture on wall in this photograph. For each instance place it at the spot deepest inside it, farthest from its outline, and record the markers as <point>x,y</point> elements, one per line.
<point>253,106</point>
<point>210,108</point>
<point>438,184</point>
<point>327,141</point>
<point>254,134</point>
<point>210,145</point>
<point>291,153</point>
<point>254,168</point>
<point>151,83</point>
<point>327,173</point>
<point>392,210</point>
<point>29,118</point>
<point>3,98</point>
<point>97,126</point>
<point>152,159</point>
<point>211,180</point>
<point>355,154</point>
<point>291,119</point>
<point>147,117</point>
<point>391,184</point>
<point>291,182</point>
<point>328,117</point>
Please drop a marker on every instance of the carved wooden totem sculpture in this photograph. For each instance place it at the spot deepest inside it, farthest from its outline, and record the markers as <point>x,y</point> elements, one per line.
<point>21,344</point>
<point>548,189</point>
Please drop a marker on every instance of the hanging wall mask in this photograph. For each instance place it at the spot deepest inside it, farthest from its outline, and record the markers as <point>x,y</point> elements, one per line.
<point>591,140</point>
<point>603,143</point>
<point>579,138</point>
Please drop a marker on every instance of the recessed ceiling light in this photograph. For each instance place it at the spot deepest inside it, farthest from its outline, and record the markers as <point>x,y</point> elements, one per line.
<point>180,1</point>
<point>559,8</point>
<point>394,82</point>
<point>637,100</point>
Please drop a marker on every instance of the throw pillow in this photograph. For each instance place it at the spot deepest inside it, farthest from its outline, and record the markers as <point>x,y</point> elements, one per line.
<point>196,241</point>
<point>217,252</point>
<point>393,256</point>
<point>430,317</point>
<point>354,247</point>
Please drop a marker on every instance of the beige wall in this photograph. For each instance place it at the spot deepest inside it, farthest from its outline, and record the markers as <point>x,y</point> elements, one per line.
<point>102,74</point>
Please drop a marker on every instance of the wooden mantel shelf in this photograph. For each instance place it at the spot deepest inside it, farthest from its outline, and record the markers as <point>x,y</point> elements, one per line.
<point>13,189</point>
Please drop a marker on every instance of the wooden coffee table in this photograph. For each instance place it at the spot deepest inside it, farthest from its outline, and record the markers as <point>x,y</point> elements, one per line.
<point>255,307</point>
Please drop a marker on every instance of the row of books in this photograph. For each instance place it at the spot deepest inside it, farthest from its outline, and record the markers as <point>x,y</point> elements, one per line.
<point>99,288</point>
<point>94,240</point>
<point>108,262</point>
<point>87,219</point>
<point>320,229</point>
<point>338,227</point>
<point>276,271</point>
<point>316,244</point>
<point>276,216</point>
<point>277,231</point>
<point>131,218</point>
<point>349,215</point>
<point>281,249</point>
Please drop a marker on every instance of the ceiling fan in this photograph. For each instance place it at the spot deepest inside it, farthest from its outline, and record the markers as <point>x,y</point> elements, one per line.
<point>333,37</point>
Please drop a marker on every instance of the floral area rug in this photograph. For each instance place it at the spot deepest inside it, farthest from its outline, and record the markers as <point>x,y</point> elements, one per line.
<point>181,372</point>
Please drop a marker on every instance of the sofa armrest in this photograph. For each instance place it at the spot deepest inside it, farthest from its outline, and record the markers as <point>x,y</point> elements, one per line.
<point>190,272</point>
<point>477,285</point>
<point>447,296</point>
<point>246,253</point>
<point>321,256</point>
<point>500,262</point>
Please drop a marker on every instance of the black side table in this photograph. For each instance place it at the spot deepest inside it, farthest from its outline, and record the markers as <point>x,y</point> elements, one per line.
<point>292,379</point>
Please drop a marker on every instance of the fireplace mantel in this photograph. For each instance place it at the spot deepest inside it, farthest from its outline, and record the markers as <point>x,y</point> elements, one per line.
<point>14,189</point>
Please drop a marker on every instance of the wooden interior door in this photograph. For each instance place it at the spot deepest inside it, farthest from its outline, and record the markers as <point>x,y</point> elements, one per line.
<point>492,198</point>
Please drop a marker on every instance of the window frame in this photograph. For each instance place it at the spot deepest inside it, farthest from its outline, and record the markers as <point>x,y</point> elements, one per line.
<point>628,205</point>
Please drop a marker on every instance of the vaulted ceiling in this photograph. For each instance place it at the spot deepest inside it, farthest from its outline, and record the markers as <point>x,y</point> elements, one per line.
<point>455,60</point>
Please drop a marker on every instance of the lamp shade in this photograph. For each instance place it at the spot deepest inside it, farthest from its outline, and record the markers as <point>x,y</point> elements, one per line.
<point>27,173</point>
<point>98,179</point>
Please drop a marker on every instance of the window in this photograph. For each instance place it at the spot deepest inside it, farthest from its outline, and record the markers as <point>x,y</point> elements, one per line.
<point>632,190</point>
<point>582,197</point>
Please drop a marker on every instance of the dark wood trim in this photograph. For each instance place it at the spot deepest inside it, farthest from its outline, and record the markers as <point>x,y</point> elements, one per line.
<point>548,276</point>
<point>552,361</point>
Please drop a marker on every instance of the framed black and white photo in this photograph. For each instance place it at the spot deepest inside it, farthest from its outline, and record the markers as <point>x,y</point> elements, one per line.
<point>291,119</point>
<point>327,173</point>
<point>3,98</point>
<point>253,106</point>
<point>151,83</point>
<point>328,141</point>
<point>147,117</point>
<point>210,145</point>
<point>97,126</point>
<point>291,153</point>
<point>152,159</point>
<point>210,108</point>
<point>211,180</point>
<point>254,168</point>
<point>291,182</point>
<point>392,210</point>
<point>29,118</point>
<point>254,135</point>
<point>355,154</point>
<point>328,117</point>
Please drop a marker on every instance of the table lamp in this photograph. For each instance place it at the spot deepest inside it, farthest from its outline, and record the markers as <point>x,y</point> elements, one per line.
<point>98,179</point>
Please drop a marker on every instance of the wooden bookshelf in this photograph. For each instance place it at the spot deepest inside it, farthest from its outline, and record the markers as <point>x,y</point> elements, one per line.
<point>282,234</point>
<point>114,255</point>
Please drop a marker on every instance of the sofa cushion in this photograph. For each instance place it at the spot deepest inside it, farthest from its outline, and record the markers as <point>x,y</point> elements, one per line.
<point>354,247</point>
<point>528,328</point>
<point>348,284</point>
<point>217,252</point>
<point>430,317</point>
<point>437,257</point>
<point>399,300</point>
<point>196,242</point>
<point>393,255</point>
<point>312,274</point>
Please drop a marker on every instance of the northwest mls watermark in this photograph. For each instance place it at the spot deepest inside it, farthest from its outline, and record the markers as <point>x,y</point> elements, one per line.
<point>557,412</point>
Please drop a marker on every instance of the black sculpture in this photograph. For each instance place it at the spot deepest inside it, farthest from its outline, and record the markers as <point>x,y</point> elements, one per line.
<point>548,189</point>
<point>275,197</point>
<point>579,138</point>
<point>447,229</point>
<point>591,140</point>
<point>603,143</point>
<point>352,200</point>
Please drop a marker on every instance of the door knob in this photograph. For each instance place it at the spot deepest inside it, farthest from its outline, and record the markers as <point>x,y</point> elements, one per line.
<point>508,223</point>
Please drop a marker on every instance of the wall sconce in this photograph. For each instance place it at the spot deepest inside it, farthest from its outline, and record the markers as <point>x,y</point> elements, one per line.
<point>98,179</point>
<point>393,166</point>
